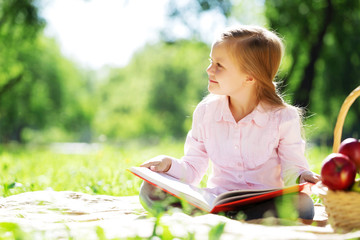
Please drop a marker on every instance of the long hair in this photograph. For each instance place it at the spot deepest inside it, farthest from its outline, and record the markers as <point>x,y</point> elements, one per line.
<point>257,52</point>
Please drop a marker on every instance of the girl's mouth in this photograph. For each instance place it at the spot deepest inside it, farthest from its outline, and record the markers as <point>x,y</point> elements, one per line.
<point>210,80</point>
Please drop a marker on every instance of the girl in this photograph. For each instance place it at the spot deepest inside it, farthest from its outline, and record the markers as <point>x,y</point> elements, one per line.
<point>252,137</point>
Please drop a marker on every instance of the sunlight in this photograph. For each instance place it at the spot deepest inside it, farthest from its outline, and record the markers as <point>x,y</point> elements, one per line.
<point>97,33</point>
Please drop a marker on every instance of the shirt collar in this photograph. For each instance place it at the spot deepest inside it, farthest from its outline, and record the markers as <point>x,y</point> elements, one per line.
<point>224,112</point>
<point>259,115</point>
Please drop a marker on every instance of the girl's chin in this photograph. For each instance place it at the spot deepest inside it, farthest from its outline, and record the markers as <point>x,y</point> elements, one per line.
<point>212,89</point>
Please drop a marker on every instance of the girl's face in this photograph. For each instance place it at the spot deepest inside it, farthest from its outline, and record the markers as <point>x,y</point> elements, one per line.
<point>225,78</point>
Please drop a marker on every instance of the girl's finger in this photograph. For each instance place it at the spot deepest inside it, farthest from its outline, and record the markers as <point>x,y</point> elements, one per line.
<point>149,164</point>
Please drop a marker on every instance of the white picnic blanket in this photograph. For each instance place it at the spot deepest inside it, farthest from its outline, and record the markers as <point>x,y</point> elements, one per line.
<point>65,215</point>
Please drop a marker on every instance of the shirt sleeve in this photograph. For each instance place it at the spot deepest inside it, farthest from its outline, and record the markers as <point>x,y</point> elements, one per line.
<point>291,148</point>
<point>193,165</point>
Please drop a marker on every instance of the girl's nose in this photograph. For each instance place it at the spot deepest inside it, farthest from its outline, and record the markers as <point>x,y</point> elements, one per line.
<point>209,69</point>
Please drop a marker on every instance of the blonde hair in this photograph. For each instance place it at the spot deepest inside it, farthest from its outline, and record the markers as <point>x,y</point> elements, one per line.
<point>258,52</point>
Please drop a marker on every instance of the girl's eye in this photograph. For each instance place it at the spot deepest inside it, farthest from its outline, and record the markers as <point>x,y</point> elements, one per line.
<point>217,64</point>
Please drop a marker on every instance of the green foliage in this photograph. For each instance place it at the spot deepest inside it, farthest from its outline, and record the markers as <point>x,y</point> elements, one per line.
<point>321,66</point>
<point>216,232</point>
<point>40,90</point>
<point>189,15</point>
<point>20,24</point>
<point>44,97</point>
<point>285,207</point>
<point>12,231</point>
<point>52,93</point>
<point>155,94</point>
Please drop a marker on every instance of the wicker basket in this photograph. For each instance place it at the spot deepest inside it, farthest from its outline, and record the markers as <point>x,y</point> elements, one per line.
<point>342,207</point>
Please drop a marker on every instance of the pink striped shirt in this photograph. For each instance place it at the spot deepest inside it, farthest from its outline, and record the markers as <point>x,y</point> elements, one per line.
<point>263,150</point>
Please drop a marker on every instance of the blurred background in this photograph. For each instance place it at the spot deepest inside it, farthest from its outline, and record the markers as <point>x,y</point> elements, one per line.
<point>111,71</point>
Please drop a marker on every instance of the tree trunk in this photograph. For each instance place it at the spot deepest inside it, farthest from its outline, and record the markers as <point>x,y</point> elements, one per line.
<point>302,95</point>
<point>10,84</point>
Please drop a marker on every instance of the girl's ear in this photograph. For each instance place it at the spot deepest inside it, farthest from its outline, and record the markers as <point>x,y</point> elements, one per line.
<point>250,80</point>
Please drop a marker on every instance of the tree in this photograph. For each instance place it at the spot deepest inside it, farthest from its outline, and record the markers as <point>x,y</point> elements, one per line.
<point>19,25</point>
<point>39,88</point>
<point>322,63</point>
<point>195,19</point>
<point>50,94</point>
<point>155,95</point>
<point>309,21</point>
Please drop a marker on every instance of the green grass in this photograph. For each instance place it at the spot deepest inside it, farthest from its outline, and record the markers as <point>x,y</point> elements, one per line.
<point>315,155</point>
<point>29,168</point>
<point>25,169</point>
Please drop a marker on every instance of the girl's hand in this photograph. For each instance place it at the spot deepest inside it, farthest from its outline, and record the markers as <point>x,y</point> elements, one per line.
<point>309,176</point>
<point>158,164</point>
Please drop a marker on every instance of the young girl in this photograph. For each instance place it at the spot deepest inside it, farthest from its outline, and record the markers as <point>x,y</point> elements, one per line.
<point>252,137</point>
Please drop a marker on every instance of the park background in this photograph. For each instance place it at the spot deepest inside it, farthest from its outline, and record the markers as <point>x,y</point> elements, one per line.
<point>68,126</point>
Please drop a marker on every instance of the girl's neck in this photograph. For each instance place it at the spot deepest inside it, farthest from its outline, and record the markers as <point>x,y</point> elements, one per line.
<point>241,107</point>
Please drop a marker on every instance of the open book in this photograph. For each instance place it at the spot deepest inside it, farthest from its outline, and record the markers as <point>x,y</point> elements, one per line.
<point>205,200</point>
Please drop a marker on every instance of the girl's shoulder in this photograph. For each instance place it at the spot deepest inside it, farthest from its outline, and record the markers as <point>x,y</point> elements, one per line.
<point>211,101</point>
<point>210,105</point>
<point>287,113</point>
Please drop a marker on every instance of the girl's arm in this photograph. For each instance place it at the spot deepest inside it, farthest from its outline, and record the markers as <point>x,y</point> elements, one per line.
<point>291,150</point>
<point>193,165</point>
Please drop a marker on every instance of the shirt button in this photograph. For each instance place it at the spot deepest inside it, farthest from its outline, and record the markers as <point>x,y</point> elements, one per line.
<point>236,147</point>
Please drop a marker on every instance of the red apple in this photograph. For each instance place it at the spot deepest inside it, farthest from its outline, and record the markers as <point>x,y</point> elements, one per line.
<point>351,148</point>
<point>338,172</point>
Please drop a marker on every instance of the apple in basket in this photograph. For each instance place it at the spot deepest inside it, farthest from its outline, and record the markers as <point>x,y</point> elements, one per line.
<point>351,148</point>
<point>338,172</point>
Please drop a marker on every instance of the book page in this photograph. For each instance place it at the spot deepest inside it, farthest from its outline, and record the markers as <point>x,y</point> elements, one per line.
<point>195,196</point>
<point>230,201</point>
<point>246,193</point>
<point>237,195</point>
